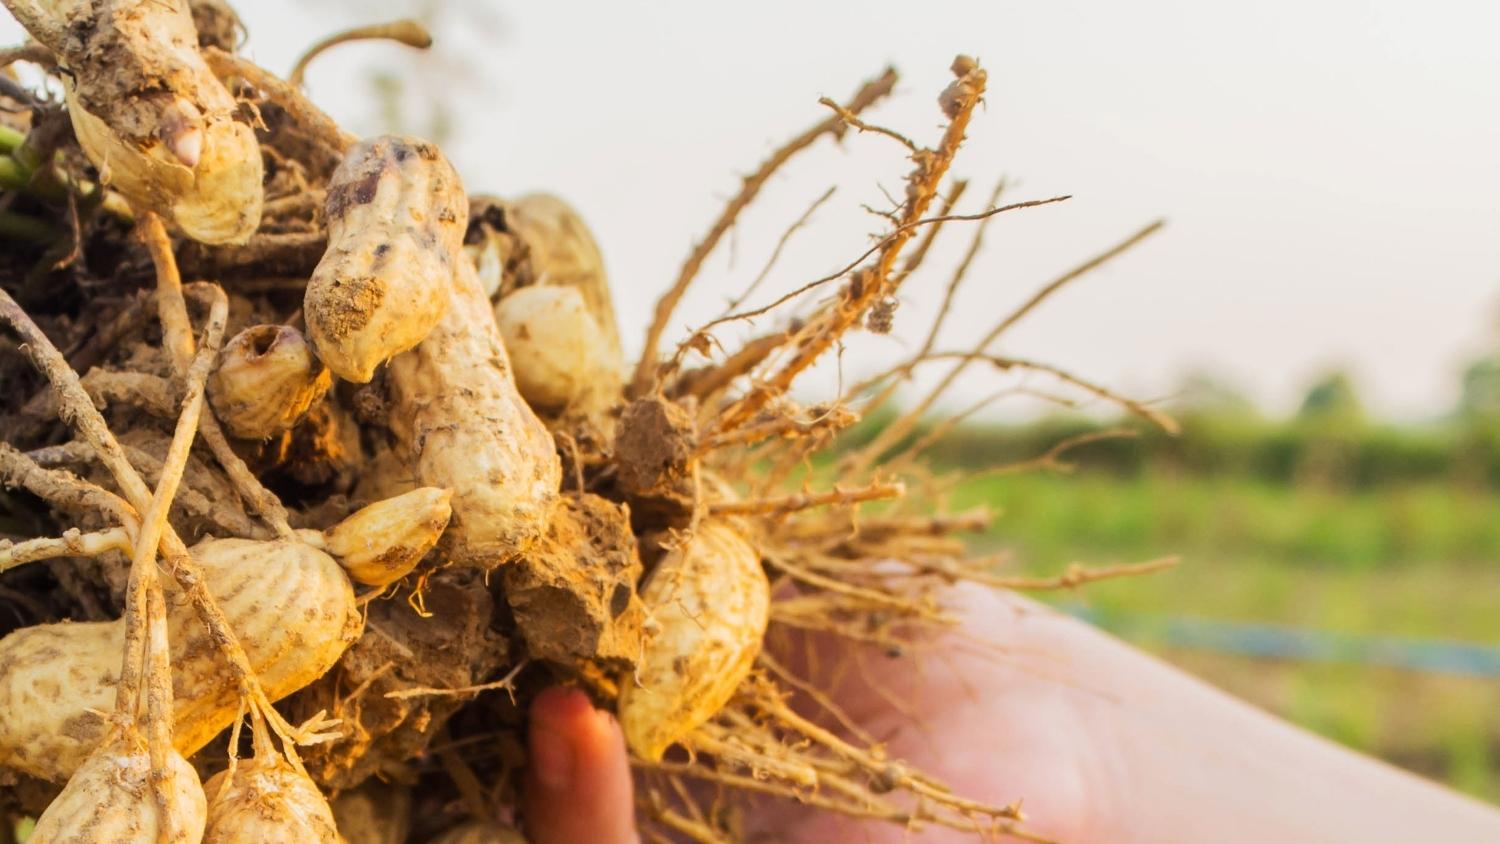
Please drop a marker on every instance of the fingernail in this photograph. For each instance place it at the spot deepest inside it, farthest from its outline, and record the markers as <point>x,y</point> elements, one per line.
<point>551,758</point>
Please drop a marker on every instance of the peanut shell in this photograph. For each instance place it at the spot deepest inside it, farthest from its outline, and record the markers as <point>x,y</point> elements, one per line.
<point>396,216</point>
<point>267,802</point>
<point>290,604</point>
<point>710,601</point>
<point>266,379</point>
<point>109,799</point>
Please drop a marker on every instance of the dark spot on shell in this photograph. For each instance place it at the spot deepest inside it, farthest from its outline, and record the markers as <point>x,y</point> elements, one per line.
<point>379,256</point>
<point>361,191</point>
<point>620,600</point>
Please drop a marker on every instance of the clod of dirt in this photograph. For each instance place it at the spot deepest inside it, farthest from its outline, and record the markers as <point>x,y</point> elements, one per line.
<point>654,447</point>
<point>574,593</point>
<point>451,647</point>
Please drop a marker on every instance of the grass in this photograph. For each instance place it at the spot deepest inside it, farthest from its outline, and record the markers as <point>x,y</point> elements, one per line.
<point>1415,560</point>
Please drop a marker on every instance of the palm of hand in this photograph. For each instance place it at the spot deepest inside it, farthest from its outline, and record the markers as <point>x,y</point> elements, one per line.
<point>1005,708</point>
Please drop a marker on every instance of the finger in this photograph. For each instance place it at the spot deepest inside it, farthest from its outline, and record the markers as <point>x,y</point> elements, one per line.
<point>578,780</point>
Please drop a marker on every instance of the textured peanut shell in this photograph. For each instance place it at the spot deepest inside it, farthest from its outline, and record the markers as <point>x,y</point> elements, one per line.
<point>556,348</point>
<point>135,76</point>
<point>380,544</point>
<point>290,604</point>
<point>396,216</point>
<point>711,601</point>
<point>109,799</point>
<point>460,423</point>
<point>267,802</point>
<point>266,379</point>
<point>564,254</point>
<point>217,201</point>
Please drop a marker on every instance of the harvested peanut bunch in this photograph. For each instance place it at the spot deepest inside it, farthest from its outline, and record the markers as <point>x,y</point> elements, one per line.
<point>388,474</point>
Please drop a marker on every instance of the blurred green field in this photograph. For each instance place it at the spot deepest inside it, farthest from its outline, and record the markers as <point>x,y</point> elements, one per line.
<point>1416,558</point>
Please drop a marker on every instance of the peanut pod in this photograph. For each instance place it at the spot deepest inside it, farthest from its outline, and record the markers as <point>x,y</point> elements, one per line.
<point>108,800</point>
<point>562,253</point>
<point>556,348</point>
<point>380,544</point>
<point>290,604</point>
<point>374,813</point>
<point>266,379</point>
<point>396,217</point>
<point>556,314</point>
<point>148,112</point>
<point>460,424</point>
<point>267,801</point>
<point>710,601</point>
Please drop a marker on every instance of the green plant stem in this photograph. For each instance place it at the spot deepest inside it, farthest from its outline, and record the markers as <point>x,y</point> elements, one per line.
<point>13,175</point>
<point>10,139</point>
<point>15,226</point>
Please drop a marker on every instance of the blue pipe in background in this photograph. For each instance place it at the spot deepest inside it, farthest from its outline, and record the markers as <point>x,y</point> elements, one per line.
<point>1297,643</point>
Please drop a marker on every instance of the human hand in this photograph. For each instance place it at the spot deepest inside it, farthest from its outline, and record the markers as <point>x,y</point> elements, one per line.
<point>1101,742</point>
<point>1006,731</point>
<point>578,781</point>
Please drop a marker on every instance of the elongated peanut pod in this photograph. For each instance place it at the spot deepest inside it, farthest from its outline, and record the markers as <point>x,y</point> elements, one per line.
<point>711,602</point>
<point>267,802</point>
<point>266,379</point>
<point>148,112</point>
<point>459,422</point>
<point>291,605</point>
<point>396,218</point>
<point>380,544</point>
<point>108,800</point>
<point>556,348</point>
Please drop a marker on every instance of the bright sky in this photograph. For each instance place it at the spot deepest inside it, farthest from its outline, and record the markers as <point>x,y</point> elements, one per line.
<point>1330,170</point>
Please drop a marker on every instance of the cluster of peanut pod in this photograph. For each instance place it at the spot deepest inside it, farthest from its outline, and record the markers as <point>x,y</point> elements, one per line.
<point>469,458</point>
<point>401,478</point>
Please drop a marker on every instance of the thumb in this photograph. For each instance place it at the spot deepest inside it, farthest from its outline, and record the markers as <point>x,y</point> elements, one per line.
<point>578,784</point>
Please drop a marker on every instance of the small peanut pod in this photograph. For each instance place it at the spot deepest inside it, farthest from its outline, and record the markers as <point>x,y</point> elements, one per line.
<point>267,802</point>
<point>374,813</point>
<point>109,799</point>
<point>711,602</point>
<point>396,217</point>
<point>555,346</point>
<point>267,378</point>
<point>380,544</point>
<point>563,253</point>
<point>148,112</point>
<point>460,424</point>
<point>290,604</point>
<point>480,832</point>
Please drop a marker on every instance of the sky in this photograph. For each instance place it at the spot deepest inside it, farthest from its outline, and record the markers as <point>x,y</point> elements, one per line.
<point>1329,171</point>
